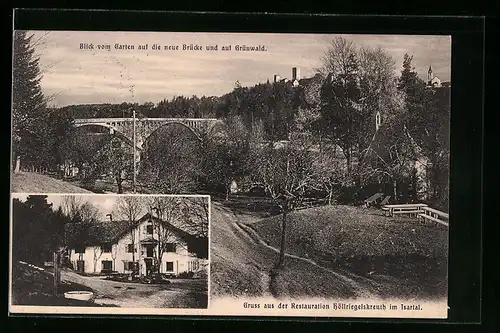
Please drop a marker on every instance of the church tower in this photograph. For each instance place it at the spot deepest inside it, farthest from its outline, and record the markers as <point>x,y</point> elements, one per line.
<point>429,74</point>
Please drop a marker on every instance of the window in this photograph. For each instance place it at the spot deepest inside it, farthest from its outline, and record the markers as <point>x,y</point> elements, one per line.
<point>149,229</point>
<point>80,249</point>
<point>130,248</point>
<point>170,266</point>
<point>130,266</point>
<point>170,247</point>
<point>106,248</point>
<point>193,265</point>
<point>149,251</point>
<point>107,265</point>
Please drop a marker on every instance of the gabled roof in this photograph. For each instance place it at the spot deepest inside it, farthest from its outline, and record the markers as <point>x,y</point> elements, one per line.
<point>379,147</point>
<point>97,232</point>
<point>101,232</point>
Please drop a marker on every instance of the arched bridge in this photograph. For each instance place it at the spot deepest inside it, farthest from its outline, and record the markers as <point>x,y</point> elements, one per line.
<point>144,127</point>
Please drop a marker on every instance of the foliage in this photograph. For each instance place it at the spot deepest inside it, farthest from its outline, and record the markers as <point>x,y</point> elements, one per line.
<point>38,230</point>
<point>171,160</point>
<point>227,155</point>
<point>428,121</point>
<point>115,159</point>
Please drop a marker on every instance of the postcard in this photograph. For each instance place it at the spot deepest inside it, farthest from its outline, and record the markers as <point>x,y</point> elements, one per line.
<point>230,174</point>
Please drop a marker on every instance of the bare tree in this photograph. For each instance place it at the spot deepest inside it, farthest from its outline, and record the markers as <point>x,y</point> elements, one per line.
<point>195,216</point>
<point>114,254</point>
<point>286,173</point>
<point>329,173</point>
<point>130,208</point>
<point>166,209</point>
<point>97,254</point>
<point>71,205</point>
<point>88,213</point>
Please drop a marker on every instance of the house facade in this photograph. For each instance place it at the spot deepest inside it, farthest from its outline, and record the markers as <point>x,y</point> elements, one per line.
<point>150,246</point>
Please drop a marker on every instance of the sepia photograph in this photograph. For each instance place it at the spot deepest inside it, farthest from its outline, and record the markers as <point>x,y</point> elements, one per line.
<point>325,157</point>
<point>114,251</point>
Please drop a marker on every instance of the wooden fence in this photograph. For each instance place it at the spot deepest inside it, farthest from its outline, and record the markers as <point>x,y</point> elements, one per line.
<point>418,210</point>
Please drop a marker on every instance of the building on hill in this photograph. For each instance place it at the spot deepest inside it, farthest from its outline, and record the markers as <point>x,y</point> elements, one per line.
<point>295,78</point>
<point>149,243</point>
<point>434,81</point>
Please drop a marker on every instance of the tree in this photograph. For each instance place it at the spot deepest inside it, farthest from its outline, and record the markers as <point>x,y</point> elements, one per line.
<point>130,208</point>
<point>427,123</point>
<point>70,205</point>
<point>391,159</point>
<point>29,126</point>
<point>379,93</point>
<point>97,253</point>
<point>116,159</point>
<point>329,173</point>
<point>341,96</point>
<point>37,229</point>
<point>171,160</point>
<point>196,216</point>
<point>226,156</point>
<point>286,173</point>
<point>166,209</point>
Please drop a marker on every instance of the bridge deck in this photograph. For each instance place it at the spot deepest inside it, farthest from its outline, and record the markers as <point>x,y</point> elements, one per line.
<point>115,120</point>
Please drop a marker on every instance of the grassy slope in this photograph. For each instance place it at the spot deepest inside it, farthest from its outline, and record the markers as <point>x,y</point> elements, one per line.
<point>33,287</point>
<point>400,252</point>
<point>240,267</point>
<point>27,182</point>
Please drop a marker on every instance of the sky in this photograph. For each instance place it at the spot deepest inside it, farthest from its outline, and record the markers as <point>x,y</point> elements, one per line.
<point>106,204</point>
<point>75,74</point>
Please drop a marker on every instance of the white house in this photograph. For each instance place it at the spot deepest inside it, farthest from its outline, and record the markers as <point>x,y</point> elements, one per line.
<point>118,246</point>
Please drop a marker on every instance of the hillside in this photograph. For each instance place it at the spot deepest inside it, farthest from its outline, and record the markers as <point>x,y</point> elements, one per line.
<point>33,287</point>
<point>27,182</point>
<point>368,244</point>
<point>242,267</point>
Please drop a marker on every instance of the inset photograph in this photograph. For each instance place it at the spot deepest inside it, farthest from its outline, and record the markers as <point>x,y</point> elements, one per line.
<point>128,251</point>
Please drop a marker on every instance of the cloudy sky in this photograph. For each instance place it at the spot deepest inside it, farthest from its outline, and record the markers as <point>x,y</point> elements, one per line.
<point>73,75</point>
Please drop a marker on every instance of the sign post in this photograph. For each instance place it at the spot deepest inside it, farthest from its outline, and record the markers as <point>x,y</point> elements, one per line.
<point>57,273</point>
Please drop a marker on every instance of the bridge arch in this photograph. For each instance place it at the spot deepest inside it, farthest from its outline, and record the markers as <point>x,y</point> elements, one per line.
<point>170,123</point>
<point>116,132</point>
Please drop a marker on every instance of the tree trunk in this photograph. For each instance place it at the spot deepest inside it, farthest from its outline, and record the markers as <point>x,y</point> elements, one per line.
<point>17,167</point>
<point>281,261</point>
<point>348,160</point>
<point>119,184</point>
<point>330,195</point>
<point>228,190</point>
<point>395,190</point>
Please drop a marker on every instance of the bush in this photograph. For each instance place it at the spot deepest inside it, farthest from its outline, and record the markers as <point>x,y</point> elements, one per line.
<point>186,275</point>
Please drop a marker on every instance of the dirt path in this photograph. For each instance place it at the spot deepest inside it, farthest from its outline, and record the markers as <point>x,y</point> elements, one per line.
<point>232,243</point>
<point>248,244</point>
<point>177,294</point>
<point>359,289</point>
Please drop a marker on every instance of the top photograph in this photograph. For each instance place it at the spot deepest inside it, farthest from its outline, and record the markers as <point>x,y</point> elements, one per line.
<point>207,113</point>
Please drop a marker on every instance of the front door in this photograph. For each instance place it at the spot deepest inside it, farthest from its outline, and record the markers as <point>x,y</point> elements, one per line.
<point>149,266</point>
<point>80,266</point>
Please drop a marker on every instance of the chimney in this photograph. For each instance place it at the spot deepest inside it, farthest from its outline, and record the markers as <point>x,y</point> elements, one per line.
<point>295,73</point>
<point>276,78</point>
